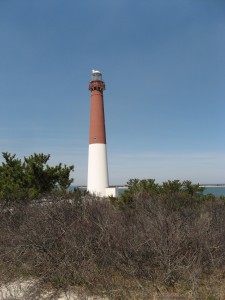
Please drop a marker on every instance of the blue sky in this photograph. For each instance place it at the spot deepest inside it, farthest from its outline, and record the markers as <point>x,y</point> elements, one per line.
<point>163,63</point>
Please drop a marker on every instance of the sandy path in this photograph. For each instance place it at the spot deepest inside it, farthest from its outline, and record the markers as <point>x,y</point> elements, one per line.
<point>27,290</point>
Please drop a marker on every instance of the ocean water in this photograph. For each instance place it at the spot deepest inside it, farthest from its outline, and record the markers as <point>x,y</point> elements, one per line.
<point>215,190</point>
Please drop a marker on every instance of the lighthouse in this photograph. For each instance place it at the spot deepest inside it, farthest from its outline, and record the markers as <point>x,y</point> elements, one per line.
<point>98,180</point>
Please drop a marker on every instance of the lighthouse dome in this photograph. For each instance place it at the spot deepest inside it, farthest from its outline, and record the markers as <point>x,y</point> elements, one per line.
<point>96,75</point>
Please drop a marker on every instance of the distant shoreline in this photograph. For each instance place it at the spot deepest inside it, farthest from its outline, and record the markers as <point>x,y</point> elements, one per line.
<point>124,186</point>
<point>213,185</point>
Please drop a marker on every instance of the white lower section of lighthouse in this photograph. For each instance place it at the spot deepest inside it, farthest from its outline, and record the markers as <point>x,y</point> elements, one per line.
<point>98,179</point>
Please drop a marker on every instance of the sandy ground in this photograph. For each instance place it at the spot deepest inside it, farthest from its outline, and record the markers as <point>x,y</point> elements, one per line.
<point>27,290</point>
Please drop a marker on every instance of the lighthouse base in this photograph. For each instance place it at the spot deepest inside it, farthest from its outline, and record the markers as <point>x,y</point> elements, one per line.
<point>97,170</point>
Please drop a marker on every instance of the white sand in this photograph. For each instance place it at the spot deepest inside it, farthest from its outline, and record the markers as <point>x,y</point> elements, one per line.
<point>27,290</point>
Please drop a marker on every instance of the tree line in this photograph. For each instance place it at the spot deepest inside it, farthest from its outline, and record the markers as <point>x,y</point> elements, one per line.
<point>23,180</point>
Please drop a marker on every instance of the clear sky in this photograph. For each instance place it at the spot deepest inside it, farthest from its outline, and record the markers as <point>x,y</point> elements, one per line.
<point>163,62</point>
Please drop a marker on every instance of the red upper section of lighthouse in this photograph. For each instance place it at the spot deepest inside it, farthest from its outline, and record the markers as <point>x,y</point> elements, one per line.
<point>97,85</point>
<point>97,118</point>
